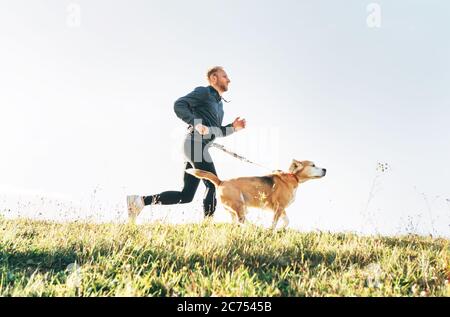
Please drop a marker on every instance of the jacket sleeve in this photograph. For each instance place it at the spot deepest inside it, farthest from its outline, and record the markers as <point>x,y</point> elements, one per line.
<point>221,132</point>
<point>185,106</point>
<point>227,130</point>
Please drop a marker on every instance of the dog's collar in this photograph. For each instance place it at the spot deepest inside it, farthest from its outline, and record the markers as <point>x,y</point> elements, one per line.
<point>295,176</point>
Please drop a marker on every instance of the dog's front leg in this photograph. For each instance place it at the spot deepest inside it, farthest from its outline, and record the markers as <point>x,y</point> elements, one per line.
<point>285,220</point>
<point>274,224</point>
<point>277,215</point>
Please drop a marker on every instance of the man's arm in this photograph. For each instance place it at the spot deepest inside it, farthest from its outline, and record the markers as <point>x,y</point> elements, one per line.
<point>184,106</point>
<point>238,124</point>
<point>226,130</point>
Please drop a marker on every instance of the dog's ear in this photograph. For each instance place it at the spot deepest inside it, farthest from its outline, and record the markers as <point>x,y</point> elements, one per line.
<point>295,166</point>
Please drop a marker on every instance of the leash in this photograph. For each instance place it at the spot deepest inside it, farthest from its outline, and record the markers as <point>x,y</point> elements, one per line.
<point>222,148</point>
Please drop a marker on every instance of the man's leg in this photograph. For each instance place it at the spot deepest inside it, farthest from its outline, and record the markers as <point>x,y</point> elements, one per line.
<point>209,199</point>
<point>190,183</point>
<point>186,195</point>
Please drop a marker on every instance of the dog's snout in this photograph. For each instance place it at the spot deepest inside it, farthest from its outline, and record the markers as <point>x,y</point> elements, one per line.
<point>324,171</point>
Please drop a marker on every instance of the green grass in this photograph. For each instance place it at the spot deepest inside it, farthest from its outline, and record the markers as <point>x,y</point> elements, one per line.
<point>81,259</point>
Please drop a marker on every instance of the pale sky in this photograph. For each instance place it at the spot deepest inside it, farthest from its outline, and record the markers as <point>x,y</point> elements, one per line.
<point>87,106</point>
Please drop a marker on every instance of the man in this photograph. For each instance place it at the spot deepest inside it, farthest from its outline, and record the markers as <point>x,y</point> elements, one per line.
<point>202,110</point>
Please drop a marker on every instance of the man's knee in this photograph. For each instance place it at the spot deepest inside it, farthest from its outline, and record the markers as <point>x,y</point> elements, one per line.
<point>185,199</point>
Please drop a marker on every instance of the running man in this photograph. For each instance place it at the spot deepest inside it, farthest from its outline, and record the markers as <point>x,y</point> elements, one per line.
<point>202,110</point>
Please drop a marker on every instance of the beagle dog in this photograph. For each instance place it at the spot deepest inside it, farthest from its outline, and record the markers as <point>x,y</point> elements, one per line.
<point>275,191</point>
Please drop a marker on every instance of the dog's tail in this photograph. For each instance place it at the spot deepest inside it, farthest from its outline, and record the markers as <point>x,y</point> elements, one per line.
<point>205,175</point>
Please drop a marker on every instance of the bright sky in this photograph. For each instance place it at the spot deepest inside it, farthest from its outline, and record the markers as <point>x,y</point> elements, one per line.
<point>87,92</point>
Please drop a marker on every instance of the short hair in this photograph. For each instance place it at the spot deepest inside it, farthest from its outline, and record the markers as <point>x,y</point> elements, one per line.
<point>213,71</point>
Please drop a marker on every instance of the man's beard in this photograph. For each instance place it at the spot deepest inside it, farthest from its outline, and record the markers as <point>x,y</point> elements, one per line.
<point>224,87</point>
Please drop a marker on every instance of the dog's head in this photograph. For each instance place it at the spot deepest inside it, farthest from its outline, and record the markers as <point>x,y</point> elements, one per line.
<point>306,170</point>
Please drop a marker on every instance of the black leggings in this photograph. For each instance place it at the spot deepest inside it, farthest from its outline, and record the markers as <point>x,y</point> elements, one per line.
<point>201,161</point>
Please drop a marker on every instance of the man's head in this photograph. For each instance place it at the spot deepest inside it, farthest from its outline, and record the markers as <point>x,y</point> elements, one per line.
<point>218,78</point>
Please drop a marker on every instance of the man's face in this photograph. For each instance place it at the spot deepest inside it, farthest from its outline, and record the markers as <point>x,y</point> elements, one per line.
<point>221,80</point>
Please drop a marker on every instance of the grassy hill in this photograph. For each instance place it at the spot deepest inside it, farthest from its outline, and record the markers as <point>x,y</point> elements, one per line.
<point>81,259</point>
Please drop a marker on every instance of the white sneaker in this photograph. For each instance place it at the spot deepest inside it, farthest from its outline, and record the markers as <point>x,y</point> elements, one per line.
<point>135,205</point>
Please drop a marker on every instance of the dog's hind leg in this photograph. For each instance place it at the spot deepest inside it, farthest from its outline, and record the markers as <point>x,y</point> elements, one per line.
<point>237,211</point>
<point>234,217</point>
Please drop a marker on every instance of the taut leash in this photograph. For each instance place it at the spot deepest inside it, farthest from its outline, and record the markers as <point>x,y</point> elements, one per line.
<point>221,147</point>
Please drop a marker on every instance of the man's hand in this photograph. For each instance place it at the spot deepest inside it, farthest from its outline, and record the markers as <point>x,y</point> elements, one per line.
<point>202,129</point>
<point>239,124</point>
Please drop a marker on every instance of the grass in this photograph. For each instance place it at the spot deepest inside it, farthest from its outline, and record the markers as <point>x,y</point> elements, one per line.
<point>81,259</point>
